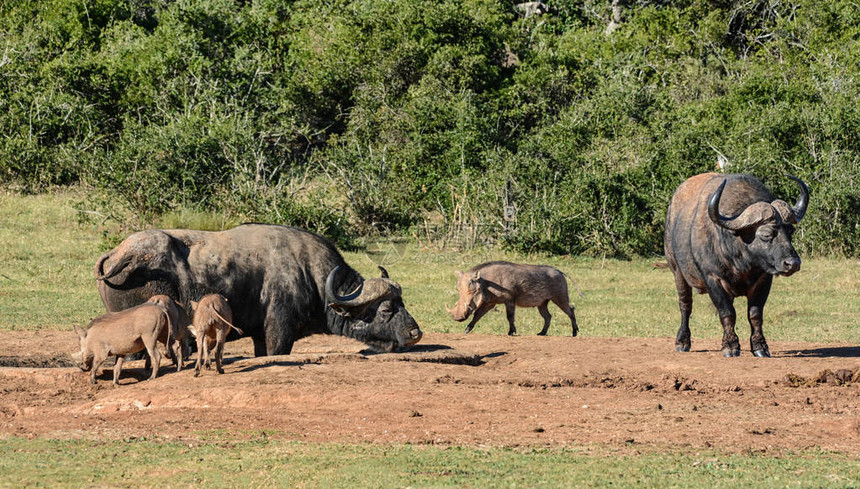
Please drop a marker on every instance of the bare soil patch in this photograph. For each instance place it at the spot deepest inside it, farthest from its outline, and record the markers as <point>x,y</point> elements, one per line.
<point>477,390</point>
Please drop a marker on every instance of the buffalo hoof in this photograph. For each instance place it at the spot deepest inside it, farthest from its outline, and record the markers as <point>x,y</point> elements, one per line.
<point>763,353</point>
<point>682,348</point>
<point>731,352</point>
<point>542,333</point>
<point>468,330</point>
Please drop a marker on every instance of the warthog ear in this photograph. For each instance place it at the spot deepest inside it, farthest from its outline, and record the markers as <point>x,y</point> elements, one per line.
<point>81,331</point>
<point>459,273</point>
<point>475,281</point>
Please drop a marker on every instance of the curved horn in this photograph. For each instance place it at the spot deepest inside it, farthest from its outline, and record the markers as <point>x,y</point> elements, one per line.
<point>383,270</point>
<point>802,201</point>
<point>99,270</point>
<point>751,216</point>
<point>368,291</point>
<point>329,288</point>
<point>115,269</point>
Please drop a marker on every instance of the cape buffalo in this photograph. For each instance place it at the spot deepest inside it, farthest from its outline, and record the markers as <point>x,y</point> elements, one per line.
<point>731,256</point>
<point>283,283</point>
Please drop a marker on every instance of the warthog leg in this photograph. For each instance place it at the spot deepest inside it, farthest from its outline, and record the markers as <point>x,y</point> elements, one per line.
<point>510,309</point>
<point>117,368</point>
<point>544,312</point>
<point>478,314</point>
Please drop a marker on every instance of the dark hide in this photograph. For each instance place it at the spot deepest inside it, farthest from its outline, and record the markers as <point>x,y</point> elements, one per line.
<point>727,235</point>
<point>274,278</point>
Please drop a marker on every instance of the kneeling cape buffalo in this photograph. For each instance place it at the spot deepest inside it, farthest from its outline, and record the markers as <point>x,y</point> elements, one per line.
<point>730,256</point>
<point>282,283</point>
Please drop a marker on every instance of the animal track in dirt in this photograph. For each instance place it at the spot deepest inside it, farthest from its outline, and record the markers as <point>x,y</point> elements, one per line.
<point>839,377</point>
<point>54,360</point>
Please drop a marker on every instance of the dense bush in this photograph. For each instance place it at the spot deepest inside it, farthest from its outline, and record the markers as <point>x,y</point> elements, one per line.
<point>355,116</point>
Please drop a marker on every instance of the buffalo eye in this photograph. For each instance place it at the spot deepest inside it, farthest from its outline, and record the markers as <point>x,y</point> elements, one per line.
<point>767,234</point>
<point>385,310</point>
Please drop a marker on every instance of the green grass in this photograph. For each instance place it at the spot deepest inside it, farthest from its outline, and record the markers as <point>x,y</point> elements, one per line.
<point>46,263</point>
<point>262,463</point>
<point>631,298</point>
<point>46,282</point>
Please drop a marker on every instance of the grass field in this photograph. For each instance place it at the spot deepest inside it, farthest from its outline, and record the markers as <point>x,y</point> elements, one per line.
<point>46,282</point>
<point>47,258</point>
<point>77,463</point>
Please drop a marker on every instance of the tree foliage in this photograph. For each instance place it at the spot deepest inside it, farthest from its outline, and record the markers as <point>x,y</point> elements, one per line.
<point>347,116</point>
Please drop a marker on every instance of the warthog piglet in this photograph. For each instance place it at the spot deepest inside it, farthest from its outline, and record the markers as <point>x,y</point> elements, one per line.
<point>122,333</point>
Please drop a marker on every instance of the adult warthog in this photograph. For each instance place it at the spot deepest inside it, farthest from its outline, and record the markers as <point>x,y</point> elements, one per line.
<point>730,256</point>
<point>282,283</point>
<point>511,284</point>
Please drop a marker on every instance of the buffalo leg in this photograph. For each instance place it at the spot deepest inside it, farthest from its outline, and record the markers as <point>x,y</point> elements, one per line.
<point>479,313</point>
<point>279,332</point>
<point>725,308</point>
<point>685,305</point>
<point>510,309</point>
<point>259,346</point>
<point>544,313</point>
<point>755,313</point>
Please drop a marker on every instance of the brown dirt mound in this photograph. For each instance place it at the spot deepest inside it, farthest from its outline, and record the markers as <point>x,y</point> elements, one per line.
<point>453,389</point>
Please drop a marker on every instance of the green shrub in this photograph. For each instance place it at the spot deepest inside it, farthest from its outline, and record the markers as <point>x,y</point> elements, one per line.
<point>352,117</point>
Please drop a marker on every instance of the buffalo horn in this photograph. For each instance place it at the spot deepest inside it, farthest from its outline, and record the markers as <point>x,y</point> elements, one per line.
<point>368,291</point>
<point>100,265</point>
<point>802,201</point>
<point>114,270</point>
<point>751,216</point>
<point>383,270</point>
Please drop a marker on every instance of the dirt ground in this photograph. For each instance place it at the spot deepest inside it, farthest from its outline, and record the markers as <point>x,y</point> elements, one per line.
<point>475,390</point>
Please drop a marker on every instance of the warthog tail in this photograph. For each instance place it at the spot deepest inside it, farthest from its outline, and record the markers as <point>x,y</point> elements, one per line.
<point>575,284</point>
<point>228,322</point>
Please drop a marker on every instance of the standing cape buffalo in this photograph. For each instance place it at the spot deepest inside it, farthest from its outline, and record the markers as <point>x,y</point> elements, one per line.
<point>283,284</point>
<point>730,256</point>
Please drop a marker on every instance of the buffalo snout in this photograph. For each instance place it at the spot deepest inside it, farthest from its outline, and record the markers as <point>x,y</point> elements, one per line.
<point>415,336</point>
<point>790,266</point>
